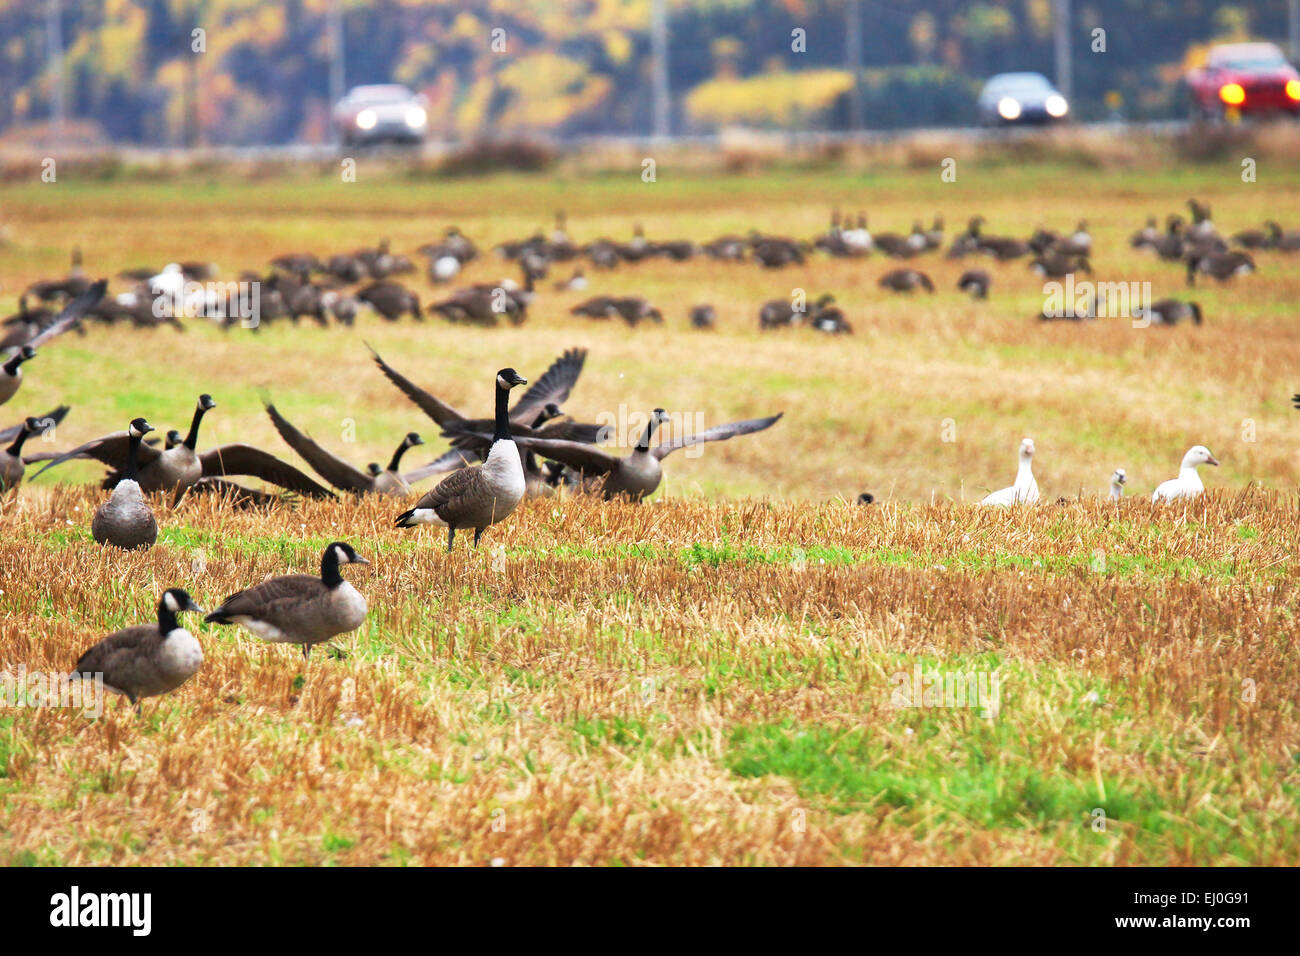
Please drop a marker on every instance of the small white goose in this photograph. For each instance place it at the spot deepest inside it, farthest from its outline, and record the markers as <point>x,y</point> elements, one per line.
<point>1025,490</point>
<point>1188,483</point>
<point>1117,480</point>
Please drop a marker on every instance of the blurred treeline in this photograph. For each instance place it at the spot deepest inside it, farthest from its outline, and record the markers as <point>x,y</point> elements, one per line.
<point>582,66</point>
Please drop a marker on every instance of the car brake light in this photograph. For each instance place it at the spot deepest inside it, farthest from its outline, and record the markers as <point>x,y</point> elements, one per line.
<point>1293,89</point>
<point>1232,94</point>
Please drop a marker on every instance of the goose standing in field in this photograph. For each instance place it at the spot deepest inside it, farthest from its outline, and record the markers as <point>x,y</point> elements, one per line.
<point>300,608</point>
<point>125,519</point>
<point>146,660</point>
<point>478,497</point>
<point>1117,480</point>
<point>1188,483</point>
<point>638,473</point>
<point>1025,489</point>
<point>181,467</point>
<point>11,373</point>
<point>1145,236</point>
<point>12,465</point>
<point>337,471</point>
<point>976,282</point>
<point>968,242</point>
<point>934,235</point>
<point>857,241</point>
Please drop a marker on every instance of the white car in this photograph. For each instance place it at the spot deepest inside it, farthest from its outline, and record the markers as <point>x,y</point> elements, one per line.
<point>385,113</point>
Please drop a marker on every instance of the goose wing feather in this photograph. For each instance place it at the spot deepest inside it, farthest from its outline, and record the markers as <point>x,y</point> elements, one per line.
<point>240,459</point>
<point>328,465</point>
<point>716,433</point>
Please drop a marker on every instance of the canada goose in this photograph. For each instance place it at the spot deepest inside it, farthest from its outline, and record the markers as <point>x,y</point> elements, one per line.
<point>727,248</point>
<point>180,468</point>
<point>1188,483</point>
<point>300,608</point>
<point>1202,227</point>
<point>347,268</point>
<point>1171,311</point>
<point>12,466</point>
<point>703,317</point>
<point>1284,241</point>
<point>976,282</point>
<point>390,300</point>
<point>146,660</point>
<point>778,313</point>
<point>478,497</point>
<point>301,264</point>
<point>1025,489</point>
<point>638,473</point>
<point>1257,238</point>
<point>1043,239</point>
<point>1004,249</point>
<point>11,373</point>
<point>1221,266</point>
<point>830,318</point>
<point>635,309</point>
<point>602,253</point>
<point>866,498</point>
<point>125,519</point>
<point>47,421</point>
<point>597,307</point>
<point>454,244</point>
<point>906,280</point>
<point>337,471</point>
<point>536,482</point>
<point>969,241</point>
<point>1078,243</point>
<point>71,286</point>
<point>773,253</point>
<point>897,246</point>
<point>1057,266</point>
<point>1117,480</point>
<point>1145,236</point>
<point>553,387</point>
<point>934,235</point>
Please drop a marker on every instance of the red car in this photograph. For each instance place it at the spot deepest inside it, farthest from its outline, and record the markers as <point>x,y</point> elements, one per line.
<point>1250,78</point>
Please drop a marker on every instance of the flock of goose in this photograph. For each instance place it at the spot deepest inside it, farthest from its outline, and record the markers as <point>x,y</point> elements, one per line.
<point>493,462</point>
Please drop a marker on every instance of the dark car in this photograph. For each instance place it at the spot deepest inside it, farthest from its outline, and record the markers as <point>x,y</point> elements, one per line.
<point>1249,78</point>
<point>1020,98</point>
<point>386,113</point>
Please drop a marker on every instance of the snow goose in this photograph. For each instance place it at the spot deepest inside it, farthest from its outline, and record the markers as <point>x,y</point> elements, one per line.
<point>1025,490</point>
<point>1117,480</point>
<point>1188,483</point>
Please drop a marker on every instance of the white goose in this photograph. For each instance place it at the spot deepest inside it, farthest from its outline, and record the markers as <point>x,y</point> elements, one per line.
<point>1025,490</point>
<point>1117,480</point>
<point>1188,483</point>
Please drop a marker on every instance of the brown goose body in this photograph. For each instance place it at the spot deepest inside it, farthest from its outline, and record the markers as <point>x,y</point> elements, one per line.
<point>125,520</point>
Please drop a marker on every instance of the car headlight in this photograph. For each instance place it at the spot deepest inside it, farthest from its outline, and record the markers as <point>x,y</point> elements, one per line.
<point>1232,94</point>
<point>416,117</point>
<point>1008,108</point>
<point>1293,89</point>
<point>367,119</point>
<point>1056,105</point>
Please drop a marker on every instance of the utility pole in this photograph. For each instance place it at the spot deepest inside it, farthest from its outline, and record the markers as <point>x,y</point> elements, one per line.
<point>853,60</point>
<point>54,55</point>
<point>1061,31</point>
<point>659,67</point>
<point>335,27</point>
<point>1293,29</point>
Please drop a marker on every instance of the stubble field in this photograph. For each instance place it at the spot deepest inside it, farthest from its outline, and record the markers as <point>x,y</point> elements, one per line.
<point>711,677</point>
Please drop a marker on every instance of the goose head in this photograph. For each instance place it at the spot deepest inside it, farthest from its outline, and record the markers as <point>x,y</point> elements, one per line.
<point>174,438</point>
<point>177,600</point>
<point>18,358</point>
<point>508,378</point>
<point>866,498</point>
<point>139,428</point>
<point>375,469</point>
<point>206,403</point>
<point>1199,455</point>
<point>412,439</point>
<point>1026,450</point>
<point>1118,477</point>
<point>340,553</point>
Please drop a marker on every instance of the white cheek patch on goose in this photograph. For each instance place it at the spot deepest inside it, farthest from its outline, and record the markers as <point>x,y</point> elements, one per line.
<point>171,603</point>
<point>341,556</point>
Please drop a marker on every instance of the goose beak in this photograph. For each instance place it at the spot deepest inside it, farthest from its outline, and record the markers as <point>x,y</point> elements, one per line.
<point>360,560</point>
<point>195,608</point>
<point>1212,461</point>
